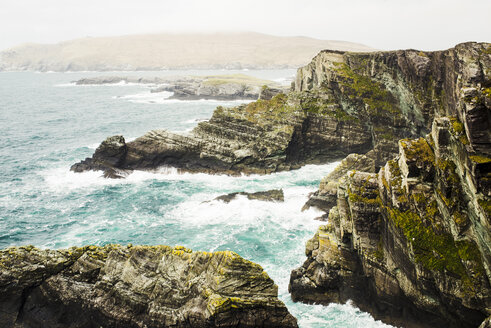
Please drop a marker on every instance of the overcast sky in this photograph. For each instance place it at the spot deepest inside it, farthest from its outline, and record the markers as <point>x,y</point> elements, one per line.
<point>383,24</point>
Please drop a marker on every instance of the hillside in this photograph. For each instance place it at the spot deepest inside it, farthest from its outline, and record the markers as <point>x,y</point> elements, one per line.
<point>170,51</point>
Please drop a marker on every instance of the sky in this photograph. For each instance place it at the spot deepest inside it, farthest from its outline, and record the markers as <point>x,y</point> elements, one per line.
<point>381,24</point>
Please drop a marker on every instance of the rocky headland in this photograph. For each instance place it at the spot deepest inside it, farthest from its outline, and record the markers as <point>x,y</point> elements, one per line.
<point>410,241</point>
<point>214,87</point>
<point>135,286</point>
<point>408,233</point>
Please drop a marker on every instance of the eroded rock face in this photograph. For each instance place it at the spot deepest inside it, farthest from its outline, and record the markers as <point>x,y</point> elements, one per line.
<point>410,242</point>
<point>135,286</point>
<point>342,103</point>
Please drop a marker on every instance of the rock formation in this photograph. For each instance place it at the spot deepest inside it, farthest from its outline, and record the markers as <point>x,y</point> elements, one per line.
<point>274,195</point>
<point>342,103</point>
<point>409,239</point>
<point>409,242</point>
<point>135,286</point>
<point>214,87</point>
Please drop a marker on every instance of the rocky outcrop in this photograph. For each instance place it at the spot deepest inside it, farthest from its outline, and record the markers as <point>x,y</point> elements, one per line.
<point>342,103</point>
<point>274,195</point>
<point>260,137</point>
<point>216,87</point>
<point>135,286</point>
<point>411,243</point>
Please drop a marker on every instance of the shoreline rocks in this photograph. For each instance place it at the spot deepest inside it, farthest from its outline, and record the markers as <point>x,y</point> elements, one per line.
<point>135,286</point>
<point>342,103</point>
<point>274,195</point>
<point>216,87</point>
<point>410,242</point>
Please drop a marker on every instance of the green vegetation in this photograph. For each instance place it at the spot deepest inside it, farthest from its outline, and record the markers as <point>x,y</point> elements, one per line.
<point>458,130</point>
<point>439,251</point>
<point>380,101</point>
<point>236,79</point>
<point>480,159</point>
<point>418,150</point>
<point>485,205</point>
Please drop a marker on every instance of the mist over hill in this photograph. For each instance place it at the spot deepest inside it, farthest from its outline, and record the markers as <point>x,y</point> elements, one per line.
<point>170,51</point>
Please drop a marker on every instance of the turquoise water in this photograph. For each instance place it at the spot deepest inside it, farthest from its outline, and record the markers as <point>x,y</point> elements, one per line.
<point>47,124</point>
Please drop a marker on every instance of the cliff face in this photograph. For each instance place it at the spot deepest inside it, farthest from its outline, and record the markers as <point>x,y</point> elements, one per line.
<point>342,103</point>
<point>135,286</point>
<point>410,243</point>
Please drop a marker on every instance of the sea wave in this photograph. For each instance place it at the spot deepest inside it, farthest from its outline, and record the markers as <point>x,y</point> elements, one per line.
<point>62,178</point>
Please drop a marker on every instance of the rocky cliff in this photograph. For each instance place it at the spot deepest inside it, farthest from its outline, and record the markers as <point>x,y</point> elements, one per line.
<point>350,107</point>
<point>409,242</point>
<point>135,286</point>
<point>342,103</point>
<point>408,239</point>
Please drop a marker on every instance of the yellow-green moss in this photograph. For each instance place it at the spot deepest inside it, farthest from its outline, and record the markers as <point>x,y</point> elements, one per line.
<point>480,159</point>
<point>437,251</point>
<point>380,101</point>
<point>418,150</point>
<point>485,205</point>
<point>458,130</point>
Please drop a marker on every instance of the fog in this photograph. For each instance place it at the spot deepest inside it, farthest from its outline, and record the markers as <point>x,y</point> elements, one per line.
<point>382,24</point>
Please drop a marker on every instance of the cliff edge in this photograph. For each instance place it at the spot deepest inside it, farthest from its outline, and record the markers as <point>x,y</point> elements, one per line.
<point>135,286</point>
<point>409,242</point>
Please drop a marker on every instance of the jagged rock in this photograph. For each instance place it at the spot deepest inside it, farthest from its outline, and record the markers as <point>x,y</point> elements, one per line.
<point>411,244</point>
<point>325,197</point>
<point>412,249</point>
<point>135,286</point>
<point>274,195</point>
<point>343,103</point>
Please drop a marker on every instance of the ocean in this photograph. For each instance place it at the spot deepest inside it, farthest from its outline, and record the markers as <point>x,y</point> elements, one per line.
<point>47,123</point>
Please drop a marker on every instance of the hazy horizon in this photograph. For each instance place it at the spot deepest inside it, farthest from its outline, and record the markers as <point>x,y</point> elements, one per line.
<point>381,24</point>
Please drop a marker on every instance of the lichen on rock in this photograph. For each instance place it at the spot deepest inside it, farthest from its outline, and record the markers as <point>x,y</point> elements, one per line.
<point>136,286</point>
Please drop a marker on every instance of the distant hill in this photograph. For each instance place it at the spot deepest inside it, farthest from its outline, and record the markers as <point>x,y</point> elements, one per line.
<point>170,51</point>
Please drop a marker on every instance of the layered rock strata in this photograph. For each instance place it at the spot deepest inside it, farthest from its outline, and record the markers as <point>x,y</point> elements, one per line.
<point>216,87</point>
<point>342,103</point>
<point>411,243</point>
<point>135,286</point>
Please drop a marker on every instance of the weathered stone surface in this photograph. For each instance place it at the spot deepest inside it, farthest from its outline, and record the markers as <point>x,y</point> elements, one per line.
<point>274,195</point>
<point>411,244</point>
<point>135,286</point>
<point>342,103</point>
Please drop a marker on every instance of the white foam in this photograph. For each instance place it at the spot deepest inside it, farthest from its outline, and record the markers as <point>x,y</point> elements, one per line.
<point>146,97</point>
<point>337,315</point>
<point>63,179</point>
<point>118,84</point>
<point>196,120</point>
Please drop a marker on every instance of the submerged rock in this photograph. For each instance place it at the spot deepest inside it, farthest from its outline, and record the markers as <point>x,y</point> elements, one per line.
<point>135,286</point>
<point>274,195</point>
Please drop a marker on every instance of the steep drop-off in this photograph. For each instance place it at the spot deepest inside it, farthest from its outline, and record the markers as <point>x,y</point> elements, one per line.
<point>411,242</point>
<point>409,239</point>
<point>135,286</point>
